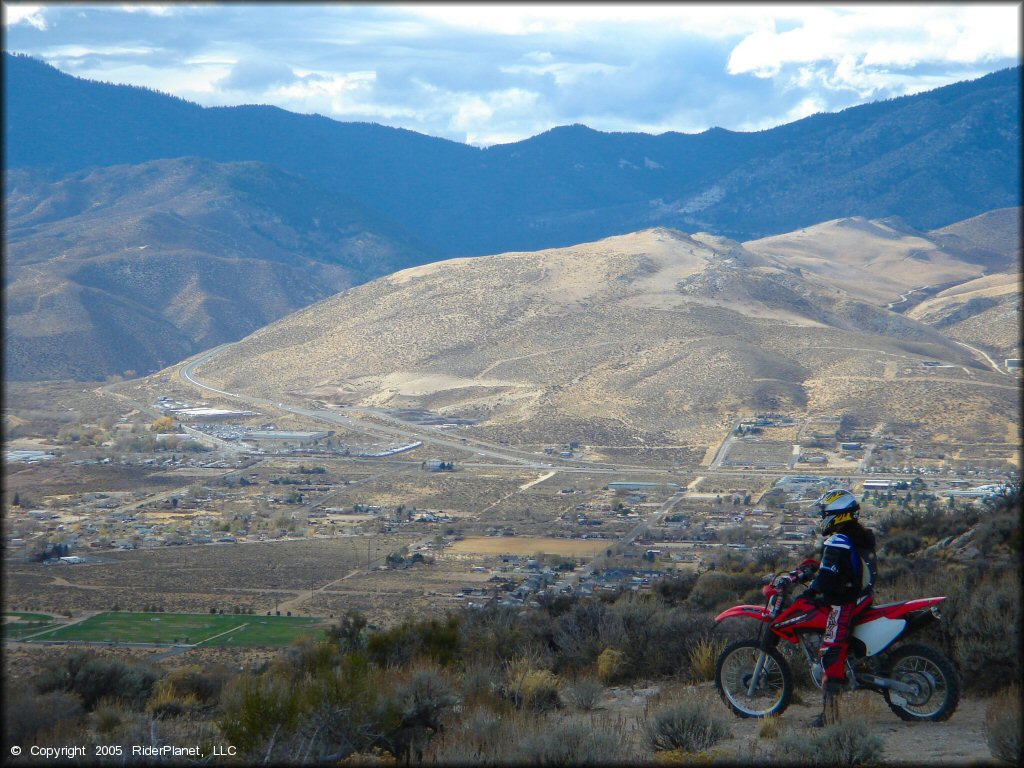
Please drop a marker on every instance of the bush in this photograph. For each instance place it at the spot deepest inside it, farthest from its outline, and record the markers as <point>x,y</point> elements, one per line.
<point>570,743</point>
<point>703,658</point>
<point>193,682</point>
<point>1003,726</point>
<point>609,664</point>
<point>27,714</point>
<point>93,678</point>
<point>688,726</point>
<point>480,738</point>
<point>257,709</point>
<point>429,638</point>
<point>422,699</point>
<point>584,693</point>
<point>846,743</point>
<point>540,690</point>
<point>983,624</point>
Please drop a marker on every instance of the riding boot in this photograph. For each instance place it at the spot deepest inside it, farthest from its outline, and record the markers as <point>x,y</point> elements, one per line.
<point>829,705</point>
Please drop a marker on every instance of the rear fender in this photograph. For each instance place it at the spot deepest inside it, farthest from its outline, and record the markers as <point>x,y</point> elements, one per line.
<point>758,612</point>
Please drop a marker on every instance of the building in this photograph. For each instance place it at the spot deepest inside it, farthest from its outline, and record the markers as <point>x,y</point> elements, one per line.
<point>280,438</point>
<point>877,485</point>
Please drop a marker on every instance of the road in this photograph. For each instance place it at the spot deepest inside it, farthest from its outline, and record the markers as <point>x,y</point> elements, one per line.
<point>393,427</point>
<point>989,360</point>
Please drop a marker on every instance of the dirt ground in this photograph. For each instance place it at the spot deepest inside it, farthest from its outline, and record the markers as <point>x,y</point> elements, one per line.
<point>958,741</point>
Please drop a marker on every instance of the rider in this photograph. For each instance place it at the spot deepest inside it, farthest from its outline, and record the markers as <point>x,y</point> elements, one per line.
<point>844,580</point>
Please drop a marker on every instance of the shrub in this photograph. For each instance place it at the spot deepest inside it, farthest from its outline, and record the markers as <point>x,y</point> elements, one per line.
<point>26,714</point>
<point>492,634</point>
<point>675,589</point>
<point>983,623</point>
<point>193,682</point>
<point>570,743</point>
<point>479,738</point>
<point>609,664</point>
<point>584,693</point>
<point>846,743</point>
<point>429,638</point>
<point>165,704</point>
<point>703,658</point>
<point>93,678</point>
<point>107,717</point>
<point>257,709</point>
<point>540,690</point>
<point>1003,726</point>
<point>687,725</point>
<point>422,699</point>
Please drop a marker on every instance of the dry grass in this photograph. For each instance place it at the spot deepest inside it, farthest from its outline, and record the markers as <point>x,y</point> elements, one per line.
<point>703,658</point>
<point>1003,725</point>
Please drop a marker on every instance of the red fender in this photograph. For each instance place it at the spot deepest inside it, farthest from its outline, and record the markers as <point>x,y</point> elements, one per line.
<point>898,610</point>
<point>758,612</point>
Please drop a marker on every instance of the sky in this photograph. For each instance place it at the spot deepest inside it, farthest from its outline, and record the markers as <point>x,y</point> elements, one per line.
<point>495,73</point>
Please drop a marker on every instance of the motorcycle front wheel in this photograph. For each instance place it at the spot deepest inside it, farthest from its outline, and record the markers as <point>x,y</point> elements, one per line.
<point>734,673</point>
<point>933,678</point>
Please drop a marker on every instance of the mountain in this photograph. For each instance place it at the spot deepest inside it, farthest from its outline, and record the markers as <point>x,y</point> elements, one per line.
<point>133,267</point>
<point>931,159</point>
<point>654,339</point>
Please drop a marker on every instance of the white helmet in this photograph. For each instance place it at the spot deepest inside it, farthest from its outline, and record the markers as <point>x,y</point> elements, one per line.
<point>836,507</point>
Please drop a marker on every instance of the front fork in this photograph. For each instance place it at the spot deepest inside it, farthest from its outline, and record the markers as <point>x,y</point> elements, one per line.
<point>767,640</point>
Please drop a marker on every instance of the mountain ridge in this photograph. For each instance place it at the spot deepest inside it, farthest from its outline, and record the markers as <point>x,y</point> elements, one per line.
<point>171,257</point>
<point>568,184</point>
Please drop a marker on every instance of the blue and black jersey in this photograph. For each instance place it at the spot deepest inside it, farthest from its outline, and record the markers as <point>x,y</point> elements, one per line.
<point>847,567</point>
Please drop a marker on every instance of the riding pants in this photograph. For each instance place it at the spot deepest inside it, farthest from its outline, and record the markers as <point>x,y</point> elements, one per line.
<point>836,642</point>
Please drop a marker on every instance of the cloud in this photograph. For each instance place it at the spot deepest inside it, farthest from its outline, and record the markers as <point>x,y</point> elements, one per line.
<point>871,52</point>
<point>486,73</point>
<point>32,15</point>
<point>257,75</point>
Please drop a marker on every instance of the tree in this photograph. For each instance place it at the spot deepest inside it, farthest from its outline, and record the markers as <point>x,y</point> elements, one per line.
<point>163,424</point>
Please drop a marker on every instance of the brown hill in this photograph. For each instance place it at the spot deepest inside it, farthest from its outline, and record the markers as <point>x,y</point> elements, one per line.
<point>134,267</point>
<point>984,313</point>
<point>650,339</point>
<point>881,260</point>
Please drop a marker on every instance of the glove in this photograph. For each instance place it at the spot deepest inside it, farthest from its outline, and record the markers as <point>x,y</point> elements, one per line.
<point>806,569</point>
<point>815,597</point>
<point>769,591</point>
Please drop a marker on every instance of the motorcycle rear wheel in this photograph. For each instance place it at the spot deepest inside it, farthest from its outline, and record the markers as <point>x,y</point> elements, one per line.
<point>734,671</point>
<point>934,677</point>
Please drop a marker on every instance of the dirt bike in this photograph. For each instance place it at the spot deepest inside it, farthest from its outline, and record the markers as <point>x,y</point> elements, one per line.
<point>918,682</point>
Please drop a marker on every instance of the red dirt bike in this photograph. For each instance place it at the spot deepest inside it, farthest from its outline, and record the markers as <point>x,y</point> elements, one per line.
<point>918,682</point>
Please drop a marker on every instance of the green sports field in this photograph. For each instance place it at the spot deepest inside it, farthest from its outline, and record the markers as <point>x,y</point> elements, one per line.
<point>18,624</point>
<point>212,630</point>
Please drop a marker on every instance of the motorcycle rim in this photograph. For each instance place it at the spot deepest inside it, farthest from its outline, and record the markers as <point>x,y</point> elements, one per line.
<point>734,672</point>
<point>937,687</point>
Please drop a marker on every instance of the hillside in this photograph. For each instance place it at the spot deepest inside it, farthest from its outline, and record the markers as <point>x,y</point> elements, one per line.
<point>984,313</point>
<point>656,338</point>
<point>135,267</point>
<point>571,184</point>
<point>881,260</point>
